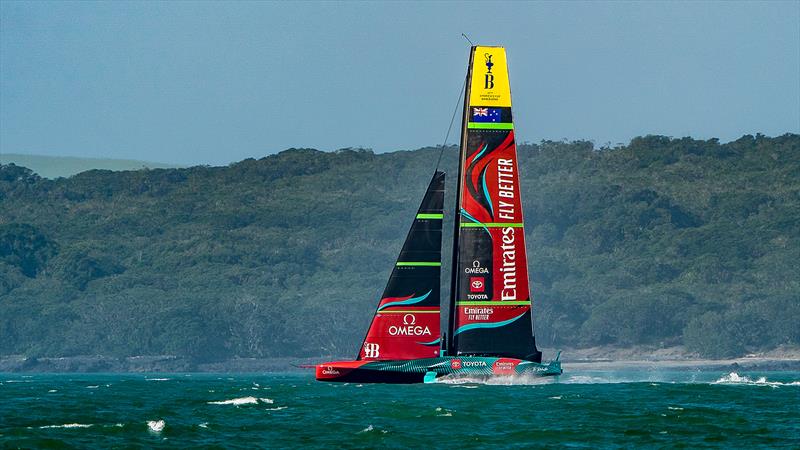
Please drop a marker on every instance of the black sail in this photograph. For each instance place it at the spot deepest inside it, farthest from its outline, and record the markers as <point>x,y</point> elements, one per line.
<point>406,323</point>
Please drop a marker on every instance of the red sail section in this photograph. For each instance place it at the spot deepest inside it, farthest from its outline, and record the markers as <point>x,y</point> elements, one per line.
<point>493,307</point>
<point>406,323</point>
<point>402,332</point>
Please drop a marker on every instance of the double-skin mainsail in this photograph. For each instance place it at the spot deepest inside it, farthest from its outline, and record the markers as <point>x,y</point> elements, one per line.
<point>490,294</point>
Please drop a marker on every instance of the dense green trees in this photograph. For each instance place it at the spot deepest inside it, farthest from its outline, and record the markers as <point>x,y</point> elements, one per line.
<point>25,247</point>
<point>661,242</point>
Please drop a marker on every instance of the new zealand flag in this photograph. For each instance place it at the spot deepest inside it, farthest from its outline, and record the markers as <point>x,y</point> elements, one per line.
<point>485,114</point>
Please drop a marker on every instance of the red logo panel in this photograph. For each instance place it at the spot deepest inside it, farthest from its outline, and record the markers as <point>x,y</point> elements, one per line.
<point>504,366</point>
<point>476,284</point>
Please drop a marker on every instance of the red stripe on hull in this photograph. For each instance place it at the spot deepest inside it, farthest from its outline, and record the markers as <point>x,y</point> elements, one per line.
<point>332,371</point>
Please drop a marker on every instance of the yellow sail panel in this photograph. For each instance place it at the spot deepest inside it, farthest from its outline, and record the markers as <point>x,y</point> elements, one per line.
<point>490,86</point>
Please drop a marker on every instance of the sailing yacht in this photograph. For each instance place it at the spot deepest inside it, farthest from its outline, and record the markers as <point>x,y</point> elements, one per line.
<point>489,329</point>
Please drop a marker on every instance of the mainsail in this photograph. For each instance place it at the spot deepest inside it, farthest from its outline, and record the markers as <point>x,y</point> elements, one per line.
<point>490,300</point>
<point>406,323</point>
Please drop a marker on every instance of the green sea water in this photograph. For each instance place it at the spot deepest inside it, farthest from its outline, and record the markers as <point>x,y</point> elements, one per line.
<point>644,408</point>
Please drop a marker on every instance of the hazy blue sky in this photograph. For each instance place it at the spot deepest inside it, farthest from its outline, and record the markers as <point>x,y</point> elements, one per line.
<point>212,83</point>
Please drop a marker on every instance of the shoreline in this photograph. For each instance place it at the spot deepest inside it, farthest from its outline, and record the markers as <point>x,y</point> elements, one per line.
<point>732,365</point>
<point>587,359</point>
<point>674,358</point>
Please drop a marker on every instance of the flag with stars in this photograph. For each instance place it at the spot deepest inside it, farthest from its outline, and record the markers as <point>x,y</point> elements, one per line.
<point>485,114</point>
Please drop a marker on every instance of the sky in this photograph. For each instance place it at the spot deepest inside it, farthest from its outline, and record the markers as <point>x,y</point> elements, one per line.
<point>214,83</point>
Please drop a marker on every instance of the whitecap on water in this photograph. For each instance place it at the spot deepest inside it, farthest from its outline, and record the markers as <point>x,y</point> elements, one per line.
<point>515,380</point>
<point>156,426</point>
<point>243,401</point>
<point>157,379</point>
<point>735,378</point>
<point>68,425</point>
<point>371,428</point>
<point>444,412</point>
<point>519,380</point>
<point>465,386</point>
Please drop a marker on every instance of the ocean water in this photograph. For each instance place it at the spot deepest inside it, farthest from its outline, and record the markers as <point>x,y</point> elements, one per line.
<point>583,409</point>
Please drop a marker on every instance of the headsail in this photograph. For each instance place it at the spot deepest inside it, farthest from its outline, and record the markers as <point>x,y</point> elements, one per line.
<point>406,323</point>
<point>490,294</point>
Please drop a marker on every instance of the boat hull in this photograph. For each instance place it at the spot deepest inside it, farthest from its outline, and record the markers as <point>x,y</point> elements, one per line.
<point>429,369</point>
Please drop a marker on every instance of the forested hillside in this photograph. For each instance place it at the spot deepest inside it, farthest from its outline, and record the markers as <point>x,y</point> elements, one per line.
<point>660,242</point>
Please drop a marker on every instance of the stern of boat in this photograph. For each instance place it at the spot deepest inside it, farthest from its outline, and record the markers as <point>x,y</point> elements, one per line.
<point>336,370</point>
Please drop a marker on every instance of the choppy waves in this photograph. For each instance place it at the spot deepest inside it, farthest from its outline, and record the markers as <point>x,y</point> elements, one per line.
<point>645,408</point>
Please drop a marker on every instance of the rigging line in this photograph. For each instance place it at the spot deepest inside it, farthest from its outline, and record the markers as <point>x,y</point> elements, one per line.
<point>449,128</point>
<point>468,39</point>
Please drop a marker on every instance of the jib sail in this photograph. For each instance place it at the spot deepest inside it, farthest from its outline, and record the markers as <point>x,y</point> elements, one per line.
<point>406,323</point>
<point>490,295</point>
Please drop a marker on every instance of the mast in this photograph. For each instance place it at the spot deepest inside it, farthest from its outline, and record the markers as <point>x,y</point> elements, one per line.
<point>451,310</point>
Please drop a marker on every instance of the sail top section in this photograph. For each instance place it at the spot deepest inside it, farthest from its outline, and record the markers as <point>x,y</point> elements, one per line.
<point>489,86</point>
